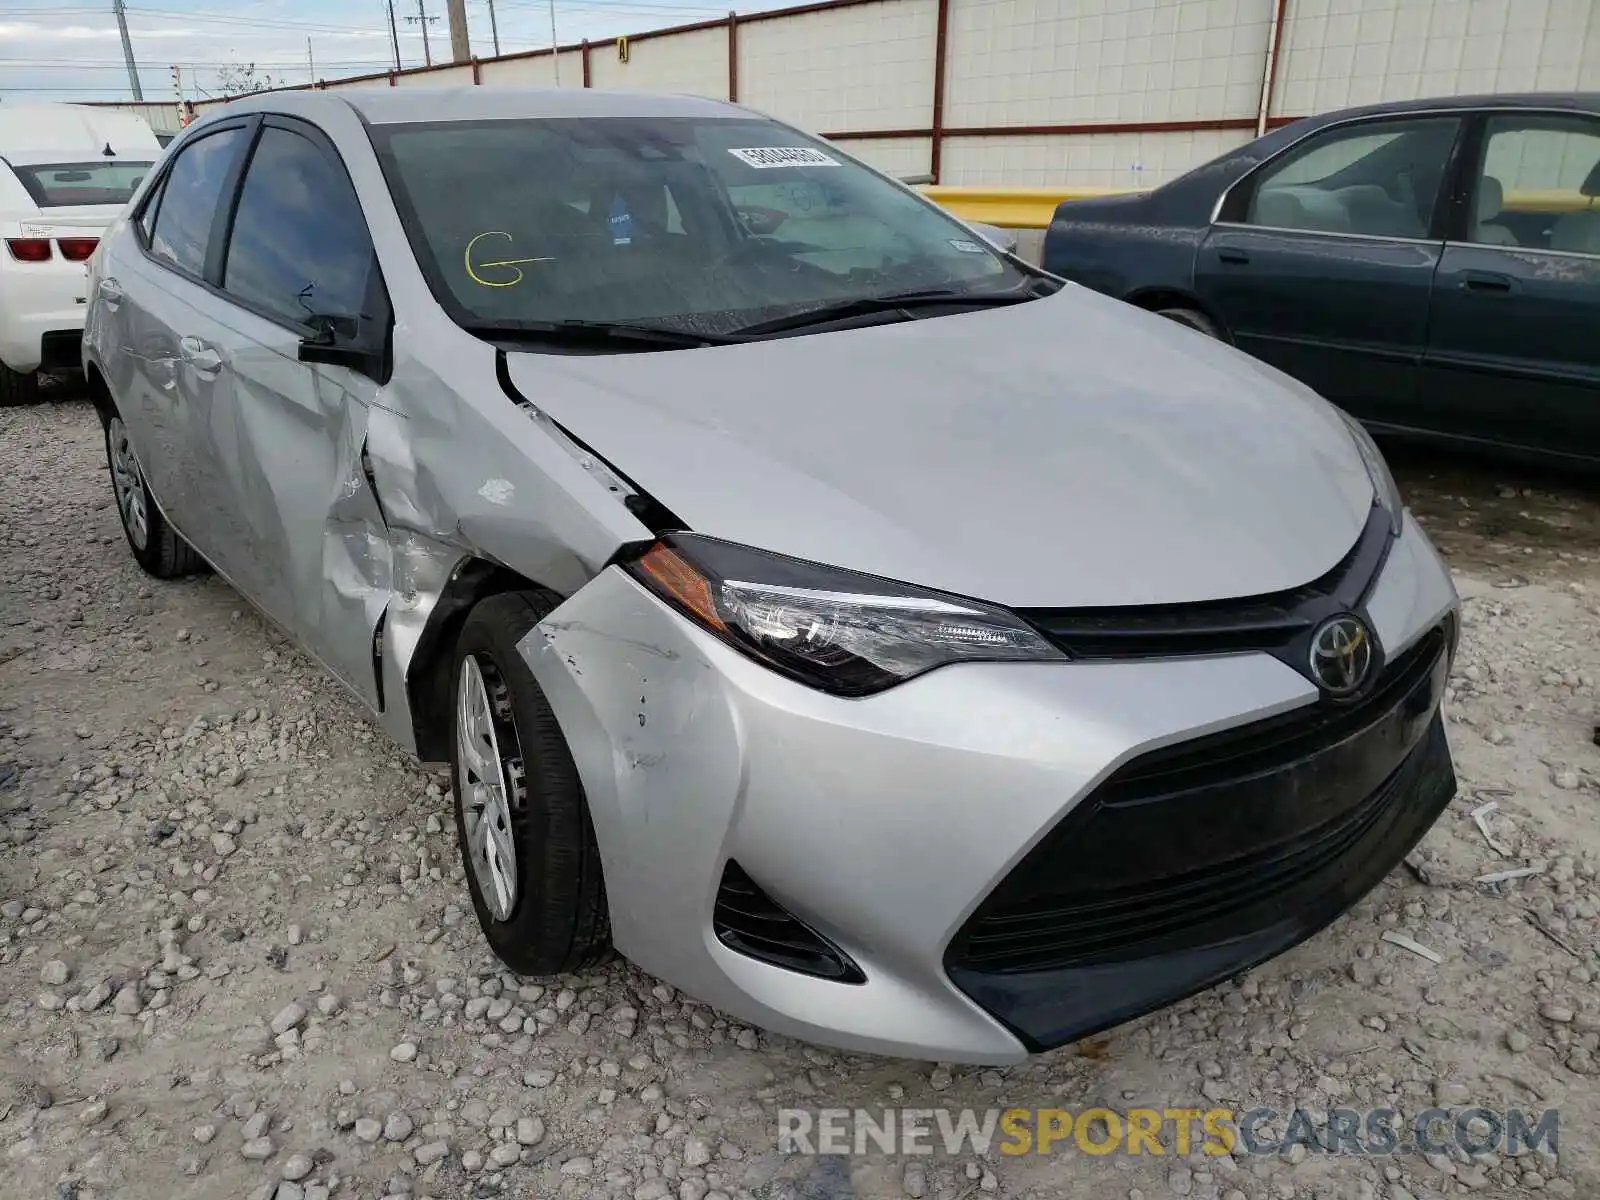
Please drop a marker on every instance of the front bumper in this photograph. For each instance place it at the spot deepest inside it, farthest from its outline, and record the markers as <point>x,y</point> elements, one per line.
<point>891,825</point>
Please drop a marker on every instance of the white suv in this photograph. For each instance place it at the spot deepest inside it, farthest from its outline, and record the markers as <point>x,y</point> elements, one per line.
<point>66,171</point>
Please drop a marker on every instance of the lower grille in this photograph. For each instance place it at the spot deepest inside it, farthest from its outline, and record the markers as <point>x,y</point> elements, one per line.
<point>751,922</point>
<point>1212,836</point>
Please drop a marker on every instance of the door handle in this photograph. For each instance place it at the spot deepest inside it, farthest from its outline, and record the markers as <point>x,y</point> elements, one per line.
<point>205,361</point>
<point>1487,281</point>
<point>110,292</point>
<point>1237,257</point>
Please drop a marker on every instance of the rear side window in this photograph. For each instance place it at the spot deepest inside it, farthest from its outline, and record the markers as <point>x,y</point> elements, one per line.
<point>147,215</point>
<point>190,199</point>
<point>57,185</point>
<point>299,246</point>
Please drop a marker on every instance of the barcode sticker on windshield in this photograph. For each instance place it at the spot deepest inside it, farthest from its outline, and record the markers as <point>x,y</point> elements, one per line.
<point>762,157</point>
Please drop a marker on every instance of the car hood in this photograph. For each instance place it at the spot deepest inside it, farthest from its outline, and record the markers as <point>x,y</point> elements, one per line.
<point>1070,451</point>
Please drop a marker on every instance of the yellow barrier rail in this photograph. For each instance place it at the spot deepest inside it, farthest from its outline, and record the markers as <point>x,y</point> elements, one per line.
<point>1011,208</point>
<point>1032,208</point>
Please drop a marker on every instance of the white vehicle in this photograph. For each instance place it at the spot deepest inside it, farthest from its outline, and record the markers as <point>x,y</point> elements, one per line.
<point>65,171</point>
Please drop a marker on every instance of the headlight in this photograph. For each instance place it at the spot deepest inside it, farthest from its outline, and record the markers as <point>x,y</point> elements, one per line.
<point>834,630</point>
<point>1383,484</point>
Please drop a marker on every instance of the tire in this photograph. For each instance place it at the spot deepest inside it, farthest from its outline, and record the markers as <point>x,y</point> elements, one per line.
<point>18,388</point>
<point>1193,319</point>
<point>549,917</point>
<point>155,544</point>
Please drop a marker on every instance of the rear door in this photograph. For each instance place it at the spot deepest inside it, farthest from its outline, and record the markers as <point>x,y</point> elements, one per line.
<point>152,288</point>
<point>288,438</point>
<point>1513,355</point>
<point>1321,261</point>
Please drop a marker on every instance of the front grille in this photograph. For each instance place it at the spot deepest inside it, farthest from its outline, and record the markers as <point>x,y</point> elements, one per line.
<point>1211,837</point>
<point>751,922</point>
<point>1277,623</point>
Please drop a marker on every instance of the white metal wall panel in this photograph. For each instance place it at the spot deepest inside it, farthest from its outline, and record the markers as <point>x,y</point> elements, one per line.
<point>1038,62</point>
<point>892,156</point>
<point>535,72</point>
<point>339,85</point>
<point>1343,52</point>
<point>1123,160</point>
<point>869,67</point>
<point>694,62</point>
<point>439,77</point>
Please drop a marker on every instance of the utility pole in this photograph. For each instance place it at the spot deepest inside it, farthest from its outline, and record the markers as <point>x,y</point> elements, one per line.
<point>127,49</point>
<point>423,19</point>
<point>494,29</point>
<point>311,64</point>
<point>460,43</point>
<point>394,38</point>
<point>555,48</point>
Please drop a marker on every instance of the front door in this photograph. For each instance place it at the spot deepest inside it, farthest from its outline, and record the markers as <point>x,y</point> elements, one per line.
<point>312,547</point>
<point>1322,261</point>
<point>1512,355</point>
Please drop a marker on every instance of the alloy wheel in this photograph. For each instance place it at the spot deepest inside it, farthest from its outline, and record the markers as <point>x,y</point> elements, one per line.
<point>490,783</point>
<point>128,481</point>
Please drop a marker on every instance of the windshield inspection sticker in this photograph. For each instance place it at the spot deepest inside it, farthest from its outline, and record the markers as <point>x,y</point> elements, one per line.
<point>763,157</point>
<point>966,247</point>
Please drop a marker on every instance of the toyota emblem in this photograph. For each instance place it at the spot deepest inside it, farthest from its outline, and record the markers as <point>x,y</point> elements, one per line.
<point>1341,655</point>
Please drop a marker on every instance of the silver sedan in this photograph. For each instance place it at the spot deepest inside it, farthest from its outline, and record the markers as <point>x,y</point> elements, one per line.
<point>848,622</point>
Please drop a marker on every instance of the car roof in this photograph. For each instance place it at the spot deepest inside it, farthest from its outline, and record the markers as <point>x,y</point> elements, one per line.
<point>1576,101</point>
<point>386,106</point>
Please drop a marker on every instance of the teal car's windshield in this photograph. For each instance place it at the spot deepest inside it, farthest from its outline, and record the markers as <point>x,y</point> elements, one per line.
<point>690,224</point>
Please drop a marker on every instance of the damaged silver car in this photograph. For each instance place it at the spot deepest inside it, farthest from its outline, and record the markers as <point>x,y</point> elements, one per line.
<point>851,624</point>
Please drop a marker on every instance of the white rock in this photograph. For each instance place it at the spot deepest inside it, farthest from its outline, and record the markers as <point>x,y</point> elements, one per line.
<point>54,973</point>
<point>289,1017</point>
<point>696,1152</point>
<point>431,1153</point>
<point>367,1129</point>
<point>297,1166</point>
<point>204,1133</point>
<point>403,1053</point>
<point>398,1127</point>
<point>530,1131</point>
<point>223,844</point>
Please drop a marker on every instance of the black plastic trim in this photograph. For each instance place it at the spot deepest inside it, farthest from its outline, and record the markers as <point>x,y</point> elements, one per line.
<point>1205,870</point>
<point>1278,623</point>
<point>752,923</point>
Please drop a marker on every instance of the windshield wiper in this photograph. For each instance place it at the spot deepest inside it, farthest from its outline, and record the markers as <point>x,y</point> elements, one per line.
<point>596,333</point>
<point>867,305</point>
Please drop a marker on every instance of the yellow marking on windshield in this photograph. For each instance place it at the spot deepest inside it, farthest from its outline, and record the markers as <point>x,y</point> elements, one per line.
<point>515,264</point>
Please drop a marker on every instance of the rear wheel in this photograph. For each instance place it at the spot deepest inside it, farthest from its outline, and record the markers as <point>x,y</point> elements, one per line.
<point>1193,318</point>
<point>156,545</point>
<point>18,388</point>
<point>532,862</point>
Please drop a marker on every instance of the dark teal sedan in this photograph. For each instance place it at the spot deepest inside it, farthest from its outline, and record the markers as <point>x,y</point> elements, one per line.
<point>1433,267</point>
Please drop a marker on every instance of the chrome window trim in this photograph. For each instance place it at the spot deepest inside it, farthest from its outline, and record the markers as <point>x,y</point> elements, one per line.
<point>1585,255</point>
<point>1464,113</point>
<point>1333,233</point>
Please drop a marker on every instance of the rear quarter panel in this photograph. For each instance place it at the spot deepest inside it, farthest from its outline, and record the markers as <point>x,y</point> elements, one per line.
<point>1123,246</point>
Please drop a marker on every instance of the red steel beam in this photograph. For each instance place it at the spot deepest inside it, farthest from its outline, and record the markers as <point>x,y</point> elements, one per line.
<point>941,46</point>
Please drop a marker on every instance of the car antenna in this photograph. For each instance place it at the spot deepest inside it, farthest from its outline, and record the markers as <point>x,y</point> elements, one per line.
<point>108,152</point>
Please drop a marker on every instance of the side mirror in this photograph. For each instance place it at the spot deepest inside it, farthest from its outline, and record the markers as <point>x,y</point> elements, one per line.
<point>334,341</point>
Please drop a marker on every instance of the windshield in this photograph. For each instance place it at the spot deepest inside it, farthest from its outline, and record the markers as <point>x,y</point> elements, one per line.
<point>53,185</point>
<point>702,225</point>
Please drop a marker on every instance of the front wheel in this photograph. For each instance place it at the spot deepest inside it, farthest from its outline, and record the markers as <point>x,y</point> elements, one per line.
<point>155,544</point>
<point>532,862</point>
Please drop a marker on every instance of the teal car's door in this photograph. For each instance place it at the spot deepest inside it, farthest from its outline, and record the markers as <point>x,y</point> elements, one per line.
<point>1513,354</point>
<point>1322,261</point>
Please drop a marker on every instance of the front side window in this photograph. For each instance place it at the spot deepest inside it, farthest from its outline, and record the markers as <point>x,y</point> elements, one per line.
<point>190,198</point>
<point>705,225</point>
<point>1377,179</point>
<point>1538,184</point>
<point>299,247</point>
<point>107,181</point>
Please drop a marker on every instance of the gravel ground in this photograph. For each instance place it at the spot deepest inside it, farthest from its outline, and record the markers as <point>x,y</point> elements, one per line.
<point>237,959</point>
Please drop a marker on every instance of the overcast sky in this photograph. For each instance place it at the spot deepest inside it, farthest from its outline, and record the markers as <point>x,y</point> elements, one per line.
<point>70,49</point>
